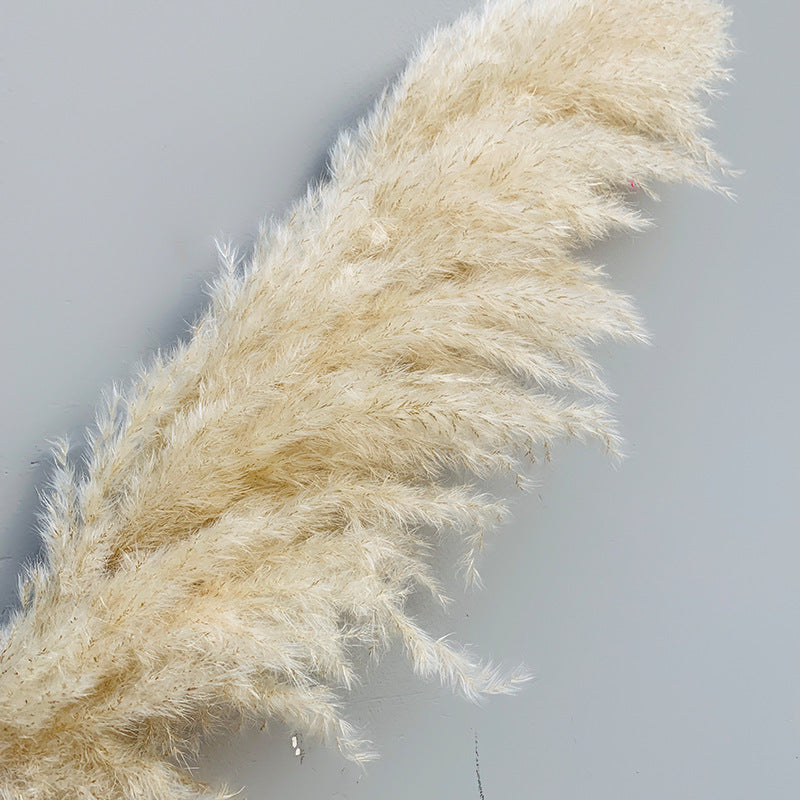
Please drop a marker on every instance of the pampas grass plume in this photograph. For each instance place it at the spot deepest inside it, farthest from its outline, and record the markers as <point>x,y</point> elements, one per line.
<point>258,506</point>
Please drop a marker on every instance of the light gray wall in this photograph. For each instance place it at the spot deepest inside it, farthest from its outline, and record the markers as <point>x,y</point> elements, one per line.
<point>657,603</point>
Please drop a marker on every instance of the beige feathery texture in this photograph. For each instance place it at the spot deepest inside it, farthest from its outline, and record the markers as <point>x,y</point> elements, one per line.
<point>258,507</point>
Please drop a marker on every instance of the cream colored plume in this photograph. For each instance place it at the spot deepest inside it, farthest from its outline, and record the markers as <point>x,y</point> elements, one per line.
<point>260,504</point>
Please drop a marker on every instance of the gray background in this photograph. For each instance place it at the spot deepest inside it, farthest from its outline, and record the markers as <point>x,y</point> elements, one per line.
<point>657,603</point>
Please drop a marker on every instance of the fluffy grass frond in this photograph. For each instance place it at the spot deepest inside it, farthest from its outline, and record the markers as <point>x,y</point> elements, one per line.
<point>259,505</point>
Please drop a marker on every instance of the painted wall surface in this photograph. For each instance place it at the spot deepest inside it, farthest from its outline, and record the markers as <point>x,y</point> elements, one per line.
<point>657,603</point>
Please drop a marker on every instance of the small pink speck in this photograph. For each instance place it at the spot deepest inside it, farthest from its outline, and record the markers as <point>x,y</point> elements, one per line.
<point>633,185</point>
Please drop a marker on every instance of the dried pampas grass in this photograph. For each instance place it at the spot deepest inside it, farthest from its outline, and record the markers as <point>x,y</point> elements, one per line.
<point>259,505</point>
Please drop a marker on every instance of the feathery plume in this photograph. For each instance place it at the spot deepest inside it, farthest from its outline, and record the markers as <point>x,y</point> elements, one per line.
<point>258,506</point>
